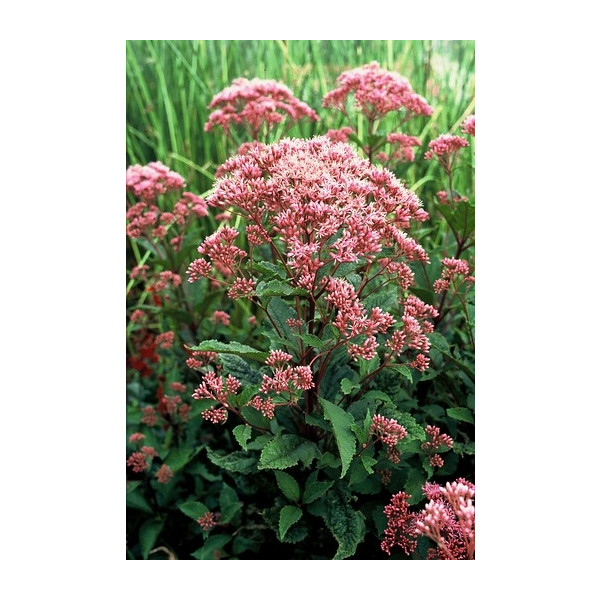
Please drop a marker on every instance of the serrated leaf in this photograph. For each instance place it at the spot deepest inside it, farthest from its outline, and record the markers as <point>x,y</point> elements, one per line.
<point>461,414</point>
<point>193,509</point>
<point>314,490</point>
<point>237,367</point>
<point>242,434</point>
<point>231,348</point>
<point>212,544</point>
<point>347,386</point>
<point>287,517</point>
<point>229,502</point>
<point>273,271</point>
<point>342,431</point>
<point>286,450</point>
<point>288,485</point>
<point>149,532</point>
<point>268,289</point>
<point>346,524</point>
<point>236,462</point>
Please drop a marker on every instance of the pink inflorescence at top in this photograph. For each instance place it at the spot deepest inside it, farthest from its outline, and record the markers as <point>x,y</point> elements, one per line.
<point>376,92</point>
<point>389,432</point>
<point>255,102</point>
<point>152,180</point>
<point>452,270</point>
<point>326,206</point>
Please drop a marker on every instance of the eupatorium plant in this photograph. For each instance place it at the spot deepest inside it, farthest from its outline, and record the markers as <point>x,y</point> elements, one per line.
<point>327,274</point>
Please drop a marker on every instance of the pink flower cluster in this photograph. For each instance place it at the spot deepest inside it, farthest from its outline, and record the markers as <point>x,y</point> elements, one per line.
<point>266,407</point>
<point>468,126</point>
<point>217,388</point>
<point>444,148</point>
<point>389,432</point>
<point>376,92</point>
<point>339,135</point>
<point>436,440</point>
<point>199,359</point>
<point>164,474</point>
<point>448,519</point>
<point>140,461</point>
<point>328,207</point>
<point>145,217</point>
<point>152,180</point>
<point>285,379</point>
<point>220,316</point>
<point>401,148</point>
<point>413,335</point>
<point>208,520</point>
<point>255,102</point>
<point>453,269</point>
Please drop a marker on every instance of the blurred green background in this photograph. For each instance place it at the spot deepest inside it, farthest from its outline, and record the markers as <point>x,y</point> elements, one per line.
<point>171,83</point>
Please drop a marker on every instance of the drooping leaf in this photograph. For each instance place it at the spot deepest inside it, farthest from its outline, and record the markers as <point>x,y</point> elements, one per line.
<point>149,532</point>
<point>237,462</point>
<point>135,499</point>
<point>242,434</point>
<point>286,450</point>
<point>231,348</point>
<point>346,524</point>
<point>342,430</point>
<point>287,517</point>
<point>288,485</point>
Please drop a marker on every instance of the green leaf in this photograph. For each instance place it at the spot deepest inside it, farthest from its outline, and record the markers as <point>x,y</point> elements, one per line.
<point>242,434</point>
<point>461,414</point>
<point>346,524</point>
<point>212,544</point>
<point>237,367</point>
<point>314,490</point>
<point>312,340</point>
<point>236,462</point>
<point>179,457</point>
<point>441,345</point>
<point>231,348</point>
<point>347,386</point>
<point>368,463</point>
<point>286,450</point>
<point>193,509</point>
<point>287,517</point>
<point>135,499</point>
<point>229,502</point>
<point>342,431</point>
<point>273,271</point>
<point>365,367</point>
<point>404,370</point>
<point>288,485</point>
<point>268,289</point>
<point>149,532</point>
<point>414,485</point>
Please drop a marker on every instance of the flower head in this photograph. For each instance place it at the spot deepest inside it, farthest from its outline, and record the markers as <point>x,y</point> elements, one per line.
<point>256,102</point>
<point>376,92</point>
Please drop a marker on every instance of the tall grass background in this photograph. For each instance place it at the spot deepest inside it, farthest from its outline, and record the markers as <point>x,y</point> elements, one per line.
<point>171,83</point>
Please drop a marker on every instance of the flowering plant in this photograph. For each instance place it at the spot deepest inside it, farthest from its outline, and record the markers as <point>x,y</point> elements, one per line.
<point>300,376</point>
